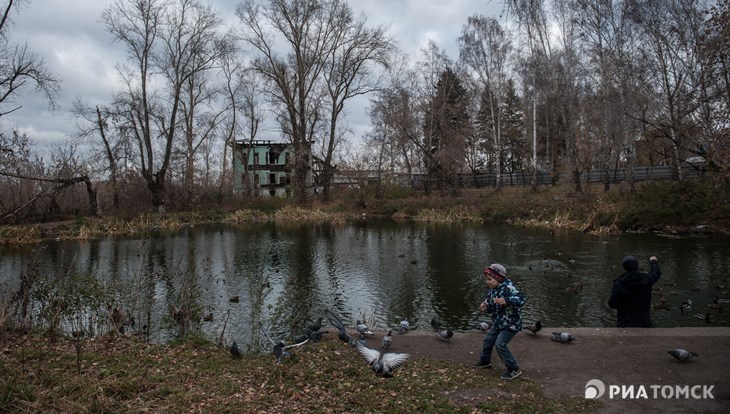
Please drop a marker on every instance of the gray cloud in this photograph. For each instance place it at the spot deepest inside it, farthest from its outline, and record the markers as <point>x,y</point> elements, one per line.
<point>71,37</point>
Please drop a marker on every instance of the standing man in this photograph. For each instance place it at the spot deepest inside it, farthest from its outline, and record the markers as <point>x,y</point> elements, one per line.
<point>631,293</point>
<point>504,302</point>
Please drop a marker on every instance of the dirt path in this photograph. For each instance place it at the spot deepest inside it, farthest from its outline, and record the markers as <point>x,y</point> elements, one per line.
<point>617,357</point>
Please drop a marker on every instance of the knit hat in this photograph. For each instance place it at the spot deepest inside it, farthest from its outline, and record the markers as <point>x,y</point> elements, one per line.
<point>630,263</point>
<point>497,271</point>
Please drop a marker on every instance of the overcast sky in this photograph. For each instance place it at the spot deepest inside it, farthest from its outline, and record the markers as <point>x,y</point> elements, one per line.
<point>71,38</point>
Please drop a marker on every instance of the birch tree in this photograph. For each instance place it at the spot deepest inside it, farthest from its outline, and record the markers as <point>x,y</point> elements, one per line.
<point>484,48</point>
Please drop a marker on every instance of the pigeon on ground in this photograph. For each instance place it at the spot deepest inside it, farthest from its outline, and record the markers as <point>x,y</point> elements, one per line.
<point>404,326</point>
<point>387,340</point>
<point>563,337</point>
<point>235,352</point>
<point>382,364</point>
<point>280,353</point>
<point>435,324</point>
<point>705,317</point>
<point>535,328</point>
<point>483,326</point>
<point>362,328</point>
<point>316,326</point>
<point>446,334</point>
<point>682,354</point>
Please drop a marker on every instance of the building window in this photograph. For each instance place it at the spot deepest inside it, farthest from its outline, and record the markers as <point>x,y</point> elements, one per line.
<point>256,178</point>
<point>272,178</point>
<point>273,158</point>
<point>255,158</point>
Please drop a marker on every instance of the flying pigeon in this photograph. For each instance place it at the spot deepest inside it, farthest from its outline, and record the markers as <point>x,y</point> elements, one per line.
<point>387,340</point>
<point>315,336</point>
<point>435,324</point>
<point>235,352</point>
<point>563,337</point>
<point>404,326</point>
<point>342,334</point>
<point>682,354</point>
<point>302,337</point>
<point>483,326</point>
<point>362,328</point>
<point>534,328</point>
<point>335,321</point>
<point>316,326</point>
<point>280,350</point>
<point>446,335</point>
<point>382,364</point>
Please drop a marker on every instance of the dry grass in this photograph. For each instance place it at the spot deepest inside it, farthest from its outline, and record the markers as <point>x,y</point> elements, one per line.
<point>655,205</point>
<point>292,214</point>
<point>246,216</point>
<point>123,376</point>
<point>454,214</point>
<point>4,313</point>
<point>20,234</point>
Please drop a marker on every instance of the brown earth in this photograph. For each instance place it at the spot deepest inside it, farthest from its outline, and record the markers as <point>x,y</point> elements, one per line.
<point>616,356</point>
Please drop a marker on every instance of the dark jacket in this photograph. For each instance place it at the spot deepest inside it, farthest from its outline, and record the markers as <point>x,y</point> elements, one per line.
<point>631,296</point>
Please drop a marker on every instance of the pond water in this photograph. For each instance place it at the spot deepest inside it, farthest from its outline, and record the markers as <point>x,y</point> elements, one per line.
<point>381,271</point>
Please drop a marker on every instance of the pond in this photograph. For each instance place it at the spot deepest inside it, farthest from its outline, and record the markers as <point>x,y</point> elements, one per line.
<point>381,271</point>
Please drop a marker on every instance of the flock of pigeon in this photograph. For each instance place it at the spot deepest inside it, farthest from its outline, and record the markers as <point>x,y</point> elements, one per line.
<point>385,363</point>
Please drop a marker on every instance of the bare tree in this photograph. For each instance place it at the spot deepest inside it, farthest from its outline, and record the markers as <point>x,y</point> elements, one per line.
<point>396,116</point>
<point>168,42</point>
<point>433,64</point>
<point>304,28</point>
<point>199,107</point>
<point>716,86</point>
<point>348,74</point>
<point>98,126</point>
<point>20,68</point>
<point>65,170</point>
<point>670,33</point>
<point>531,17</point>
<point>484,48</point>
<point>250,122</point>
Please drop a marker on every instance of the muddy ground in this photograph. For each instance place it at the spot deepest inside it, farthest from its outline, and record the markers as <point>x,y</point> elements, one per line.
<point>615,356</point>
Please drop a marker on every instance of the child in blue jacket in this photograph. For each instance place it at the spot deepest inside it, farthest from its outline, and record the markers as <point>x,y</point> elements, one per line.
<point>504,301</point>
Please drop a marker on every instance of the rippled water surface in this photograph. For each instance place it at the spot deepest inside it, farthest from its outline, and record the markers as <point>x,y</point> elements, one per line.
<point>383,271</point>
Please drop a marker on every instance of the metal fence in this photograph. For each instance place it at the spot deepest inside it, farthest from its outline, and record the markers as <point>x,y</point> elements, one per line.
<point>593,176</point>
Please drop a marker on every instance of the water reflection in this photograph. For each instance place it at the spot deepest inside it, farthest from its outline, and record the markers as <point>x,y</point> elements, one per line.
<point>381,270</point>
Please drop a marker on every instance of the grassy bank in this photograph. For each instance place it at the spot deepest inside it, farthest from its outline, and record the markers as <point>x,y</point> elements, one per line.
<point>120,375</point>
<point>691,206</point>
